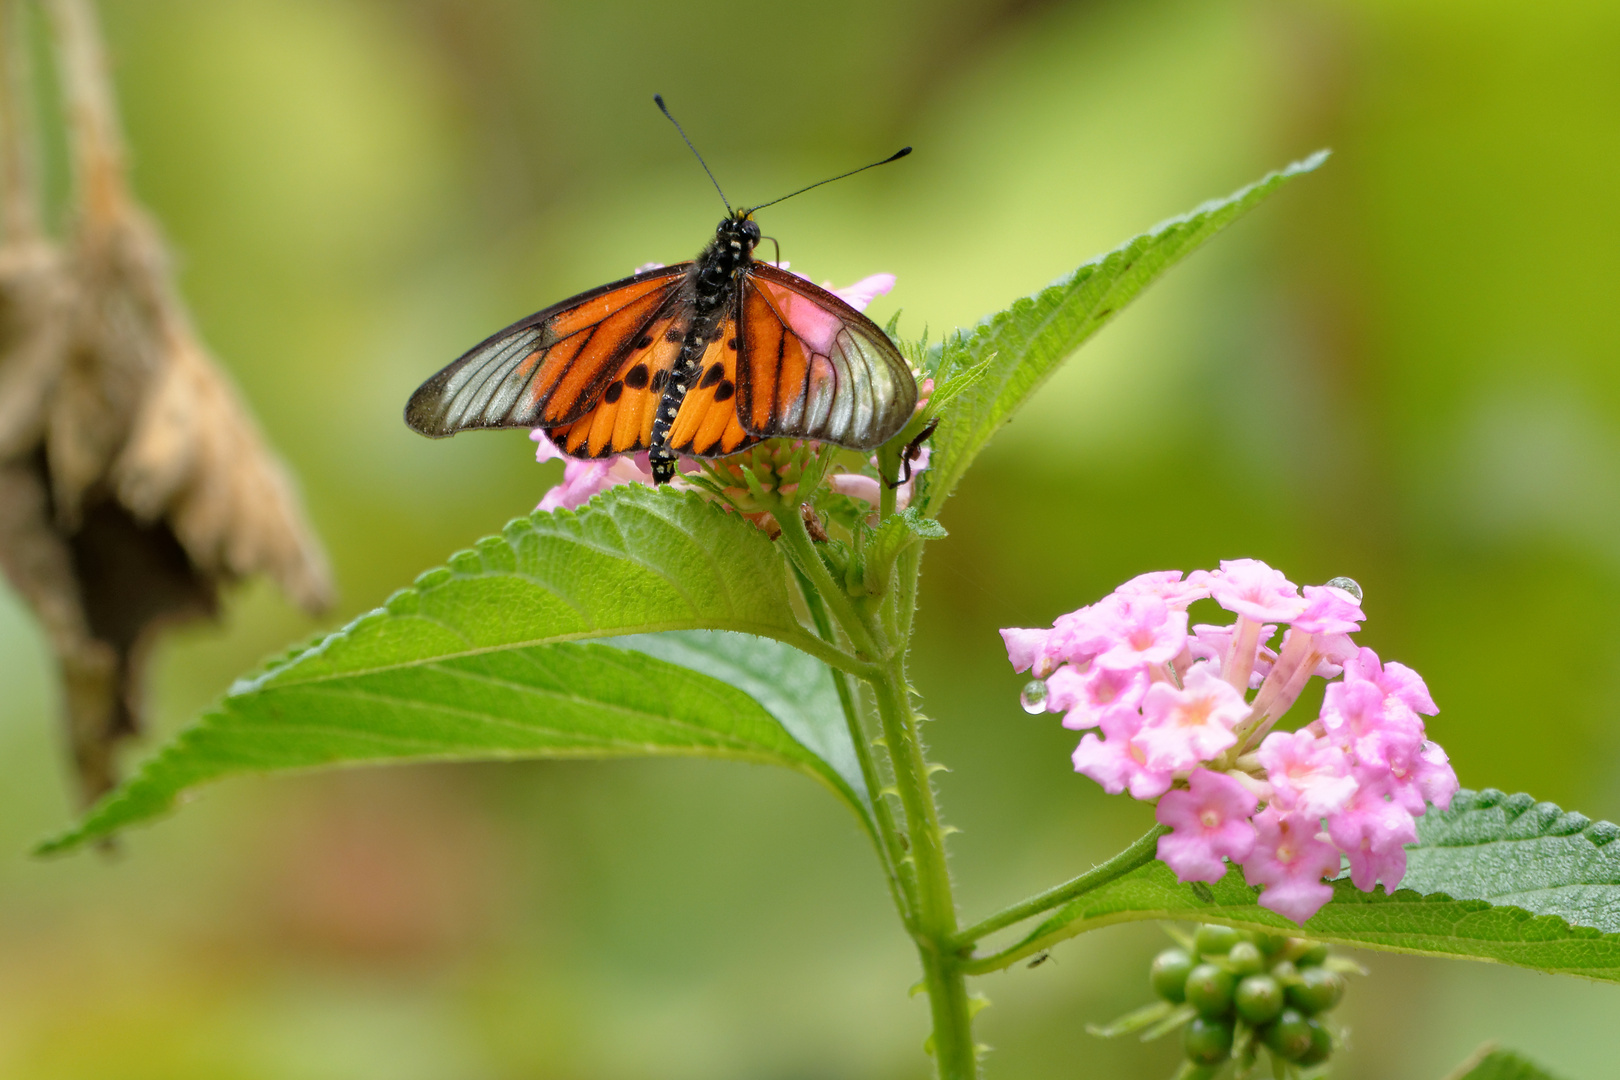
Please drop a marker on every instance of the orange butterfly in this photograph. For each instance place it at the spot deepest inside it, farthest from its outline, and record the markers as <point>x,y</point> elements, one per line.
<point>701,358</point>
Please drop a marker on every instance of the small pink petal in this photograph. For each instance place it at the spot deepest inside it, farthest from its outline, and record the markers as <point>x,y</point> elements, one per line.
<point>1254,590</point>
<point>1183,727</point>
<point>1209,822</point>
<point>864,291</point>
<point>1306,773</point>
<point>1290,859</point>
<point>1023,646</point>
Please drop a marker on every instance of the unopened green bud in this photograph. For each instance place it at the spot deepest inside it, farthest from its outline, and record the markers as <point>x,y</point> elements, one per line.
<point>1245,958</point>
<point>1209,989</point>
<point>1317,991</point>
<point>1271,944</point>
<point>1168,976</point>
<point>1213,940</point>
<point>1313,956</point>
<point>1321,1043</point>
<point>1208,1041</point>
<point>1259,998</point>
<point>1290,1036</point>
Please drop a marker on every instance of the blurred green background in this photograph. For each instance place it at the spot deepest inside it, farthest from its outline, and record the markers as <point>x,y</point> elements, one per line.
<point>1402,368</point>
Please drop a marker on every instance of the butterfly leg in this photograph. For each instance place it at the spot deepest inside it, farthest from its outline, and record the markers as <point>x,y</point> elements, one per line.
<point>912,452</point>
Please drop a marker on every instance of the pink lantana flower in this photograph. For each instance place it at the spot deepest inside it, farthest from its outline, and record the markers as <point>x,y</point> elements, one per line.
<point>1185,726</point>
<point>1115,762</point>
<point>1368,725</point>
<point>1290,859</point>
<point>1250,588</point>
<point>1141,630</point>
<point>1306,773</point>
<point>1025,649</point>
<point>583,479</point>
<point>1177,725</point>
<point>1421,776</point>
<point>1087,697</point>
<point>1214,644</point>
<point>869,488</point>
<point>1168,586</point>
<point>1395,680</point>
<point>1373,833</point>
<point>1328,610</point>
<point>1078,637</point>
<point>1209,822</point>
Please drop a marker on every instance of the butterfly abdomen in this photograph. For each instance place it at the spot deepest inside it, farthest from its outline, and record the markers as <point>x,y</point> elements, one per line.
<point>714,280</point>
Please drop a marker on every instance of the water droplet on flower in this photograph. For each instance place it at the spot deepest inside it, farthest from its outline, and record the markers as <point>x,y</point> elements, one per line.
<point>1033,696</point>
<point>1348,585</point>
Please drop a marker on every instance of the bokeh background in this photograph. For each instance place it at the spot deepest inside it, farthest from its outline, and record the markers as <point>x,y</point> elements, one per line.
<point>1402,368</point>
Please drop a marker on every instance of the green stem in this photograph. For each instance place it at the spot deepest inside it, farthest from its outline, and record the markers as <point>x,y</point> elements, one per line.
<point>1139,854</point>
<point>935,915</point>
<point>901,875</point>
<point>802,551</point>
<point>932,916</point>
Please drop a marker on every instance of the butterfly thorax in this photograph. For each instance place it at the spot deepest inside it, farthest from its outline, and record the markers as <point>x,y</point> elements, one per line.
<point>714,280</point>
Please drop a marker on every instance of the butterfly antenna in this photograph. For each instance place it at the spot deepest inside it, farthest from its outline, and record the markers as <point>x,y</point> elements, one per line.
<point>659,99</point>
<point>896,156</point>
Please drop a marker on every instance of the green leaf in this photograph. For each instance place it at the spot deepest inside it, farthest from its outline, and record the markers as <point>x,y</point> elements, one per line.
<point>925,527</point>
<point>481,660</point>
<point>797,690</point>
<point>1512,850</point>
<point>1495,877</point>
<point>1499,1065</point>
<point>1025,343</point>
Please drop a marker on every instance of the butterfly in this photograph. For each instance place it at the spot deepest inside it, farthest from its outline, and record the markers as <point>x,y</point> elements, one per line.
<point>702,358</point>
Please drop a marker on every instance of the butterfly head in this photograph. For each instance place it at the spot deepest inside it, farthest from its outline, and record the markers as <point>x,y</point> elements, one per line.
<point>739,232</point>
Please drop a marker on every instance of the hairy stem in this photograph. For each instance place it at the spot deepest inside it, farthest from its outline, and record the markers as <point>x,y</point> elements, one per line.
<point>935,917</point>
<point>802,551</point>
<point>930,911</point>
<point>900,872</point>
<point>1142,852</point>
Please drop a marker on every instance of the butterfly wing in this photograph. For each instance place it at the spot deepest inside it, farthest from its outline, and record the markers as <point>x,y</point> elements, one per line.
<point>553,367</point>
<point>708,424</point>
<point>622,420</point>
<point>810,366</point>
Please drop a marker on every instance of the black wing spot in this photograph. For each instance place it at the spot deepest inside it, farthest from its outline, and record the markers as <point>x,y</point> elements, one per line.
<point>713,450</point>
<point>643,341</point>
<point>659,378</point>
<point>712,376</point>
<point>731,343</point>
<point>724,391</point>
<point>613,392</point>
<point>636,377</point>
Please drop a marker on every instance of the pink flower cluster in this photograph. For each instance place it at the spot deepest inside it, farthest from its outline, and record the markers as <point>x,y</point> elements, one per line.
<point>584,479</point>
<point>1174,721</point>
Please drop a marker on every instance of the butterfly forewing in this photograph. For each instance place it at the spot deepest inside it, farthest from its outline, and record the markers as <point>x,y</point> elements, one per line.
<point>812,367</point>
<point>553,367</point>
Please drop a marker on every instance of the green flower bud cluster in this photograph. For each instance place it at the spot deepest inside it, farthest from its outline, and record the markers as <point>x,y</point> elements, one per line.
<point>1235,993</point>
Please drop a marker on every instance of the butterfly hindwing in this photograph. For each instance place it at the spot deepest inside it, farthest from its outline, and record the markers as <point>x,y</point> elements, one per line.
<point>621,422</point>
<point>810,366</point>
<point>708,424</point>
<point>553,367</point>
